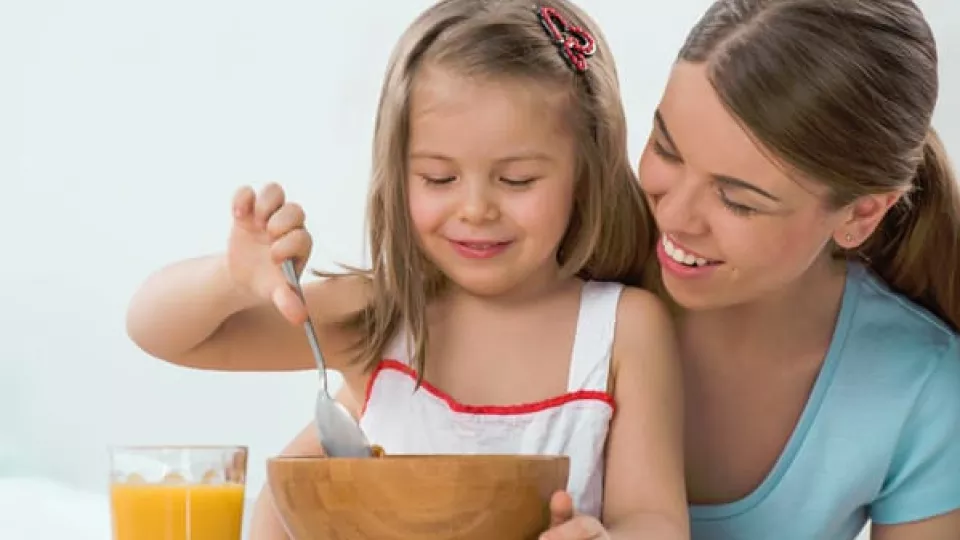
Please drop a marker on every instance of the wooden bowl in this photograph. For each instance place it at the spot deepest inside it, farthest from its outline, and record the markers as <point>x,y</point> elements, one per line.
<point>410,497</point>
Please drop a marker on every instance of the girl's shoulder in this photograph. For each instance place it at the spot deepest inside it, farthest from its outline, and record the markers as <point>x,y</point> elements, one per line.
<point>639,315</point>
<point>645,337</point>
<point>642,312</point>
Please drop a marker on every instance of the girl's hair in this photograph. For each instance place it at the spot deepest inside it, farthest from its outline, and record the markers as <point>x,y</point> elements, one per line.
<point>610,233</point>
<point>844,91</point>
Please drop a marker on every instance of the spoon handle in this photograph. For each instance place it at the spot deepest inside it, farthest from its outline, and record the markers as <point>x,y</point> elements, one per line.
<point>291,274</point>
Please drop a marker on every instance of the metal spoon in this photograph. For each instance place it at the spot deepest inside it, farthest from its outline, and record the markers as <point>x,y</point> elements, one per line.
<point>340,435</point>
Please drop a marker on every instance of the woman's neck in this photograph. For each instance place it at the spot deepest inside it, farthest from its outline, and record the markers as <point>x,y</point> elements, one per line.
<point>799,320</point>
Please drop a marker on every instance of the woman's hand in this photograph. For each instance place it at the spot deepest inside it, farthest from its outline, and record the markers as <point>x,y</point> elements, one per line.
<point>267,229</point>
<point>565,524</point>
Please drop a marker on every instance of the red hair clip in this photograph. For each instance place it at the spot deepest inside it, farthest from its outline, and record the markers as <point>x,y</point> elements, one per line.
<point>575,43</point>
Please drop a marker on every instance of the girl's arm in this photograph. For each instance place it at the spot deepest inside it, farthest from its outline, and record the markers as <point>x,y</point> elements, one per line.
<point>191,314</point>
<point>236,311</point>
<point>265,523</point>
<point>644,487</point>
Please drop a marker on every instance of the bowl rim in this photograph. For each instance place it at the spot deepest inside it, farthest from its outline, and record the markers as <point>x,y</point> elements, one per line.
<point>542,458</point>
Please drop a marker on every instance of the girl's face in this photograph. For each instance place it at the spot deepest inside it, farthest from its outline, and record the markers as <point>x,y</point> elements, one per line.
<point>736,226</point>
<point>491,179</point>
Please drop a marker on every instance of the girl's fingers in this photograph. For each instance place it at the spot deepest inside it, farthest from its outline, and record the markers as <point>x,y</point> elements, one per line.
<point>295,245</point>
<point>269,200</point>
<point>288,217</point>
<point>289,304</point>
<point>242,206</point>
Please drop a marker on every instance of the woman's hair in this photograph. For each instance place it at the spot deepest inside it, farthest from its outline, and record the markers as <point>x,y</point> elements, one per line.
<point>610,233</point>
<point>844,91</point>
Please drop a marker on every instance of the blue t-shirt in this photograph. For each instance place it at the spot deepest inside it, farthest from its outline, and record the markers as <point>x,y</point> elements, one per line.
<point>878,439</point>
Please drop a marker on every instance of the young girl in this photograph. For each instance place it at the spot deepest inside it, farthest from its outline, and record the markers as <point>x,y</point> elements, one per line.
<point>503,218</point>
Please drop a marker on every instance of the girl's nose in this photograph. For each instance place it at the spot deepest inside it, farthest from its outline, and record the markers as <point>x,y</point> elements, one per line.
<point>479,204</point>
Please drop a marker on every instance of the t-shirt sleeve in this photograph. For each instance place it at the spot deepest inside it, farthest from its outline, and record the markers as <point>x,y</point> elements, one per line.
<point>924,476</point>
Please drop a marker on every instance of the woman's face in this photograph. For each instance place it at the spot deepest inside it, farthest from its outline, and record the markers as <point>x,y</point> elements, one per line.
<point>736,226</point>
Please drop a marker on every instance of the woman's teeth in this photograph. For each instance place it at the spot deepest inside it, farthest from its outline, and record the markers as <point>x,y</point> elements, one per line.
<point>682,257</point>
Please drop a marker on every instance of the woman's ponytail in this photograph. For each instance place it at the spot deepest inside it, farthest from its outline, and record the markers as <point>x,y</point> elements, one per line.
<point>916,249</point>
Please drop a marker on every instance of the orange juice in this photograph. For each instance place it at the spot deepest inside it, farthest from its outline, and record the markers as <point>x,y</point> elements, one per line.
<point>177,511</point>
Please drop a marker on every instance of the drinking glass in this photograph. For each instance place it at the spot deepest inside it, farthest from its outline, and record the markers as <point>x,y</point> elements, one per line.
<point>177,492</point>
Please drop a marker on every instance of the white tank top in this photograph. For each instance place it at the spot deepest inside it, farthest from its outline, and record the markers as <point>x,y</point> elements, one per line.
<point>574,424</point>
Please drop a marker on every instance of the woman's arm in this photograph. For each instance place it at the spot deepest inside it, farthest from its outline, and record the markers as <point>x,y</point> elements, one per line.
<point>920,498</point>
<point>645,493</point>
<point>944,527</point>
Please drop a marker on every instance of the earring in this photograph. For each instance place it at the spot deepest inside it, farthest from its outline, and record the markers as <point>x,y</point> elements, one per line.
<point>848,238</point>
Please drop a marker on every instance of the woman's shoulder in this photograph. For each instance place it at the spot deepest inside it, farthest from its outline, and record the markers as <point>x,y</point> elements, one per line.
<point>883,316</point>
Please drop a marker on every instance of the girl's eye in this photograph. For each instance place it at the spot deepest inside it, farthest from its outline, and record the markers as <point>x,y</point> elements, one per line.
<point>518,182</point>
<point>659,150</point>
<point>439,180</point>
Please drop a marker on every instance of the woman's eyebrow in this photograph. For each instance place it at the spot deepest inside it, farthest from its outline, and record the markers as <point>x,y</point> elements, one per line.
<point>662,126</point>
<point>721,178</point>
<point>743,184</point>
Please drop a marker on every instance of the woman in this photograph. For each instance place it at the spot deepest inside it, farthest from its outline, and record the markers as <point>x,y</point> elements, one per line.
<point>811,237</point>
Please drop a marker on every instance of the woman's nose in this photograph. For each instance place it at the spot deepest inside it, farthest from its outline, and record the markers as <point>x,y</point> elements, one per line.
<point>677,210</point>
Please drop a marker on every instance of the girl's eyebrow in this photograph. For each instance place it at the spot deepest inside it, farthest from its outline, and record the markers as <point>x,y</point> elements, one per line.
<point>531,156</point>
<point>429,155</point>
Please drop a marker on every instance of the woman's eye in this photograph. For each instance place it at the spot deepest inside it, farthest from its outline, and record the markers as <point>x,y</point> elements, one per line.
<point>666,155</point>
<point>737,208</point>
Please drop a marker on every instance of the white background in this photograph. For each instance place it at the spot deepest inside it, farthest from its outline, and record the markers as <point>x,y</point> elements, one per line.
<point>125,127</point>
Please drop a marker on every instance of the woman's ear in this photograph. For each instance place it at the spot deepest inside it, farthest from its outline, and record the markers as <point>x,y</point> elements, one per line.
<point>864,216</point>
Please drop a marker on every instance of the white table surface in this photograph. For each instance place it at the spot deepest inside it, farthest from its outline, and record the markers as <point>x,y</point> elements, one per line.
<point>37,508</point>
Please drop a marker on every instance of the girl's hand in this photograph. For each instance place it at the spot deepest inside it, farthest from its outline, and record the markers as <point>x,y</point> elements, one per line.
<point>267,229</point>
<point>566,525</point>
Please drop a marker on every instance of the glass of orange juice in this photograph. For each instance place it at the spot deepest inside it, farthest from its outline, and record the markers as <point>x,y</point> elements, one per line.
<point>177,492</point>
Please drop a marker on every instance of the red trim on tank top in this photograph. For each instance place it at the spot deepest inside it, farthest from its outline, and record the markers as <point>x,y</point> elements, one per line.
<point>456,406</point>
